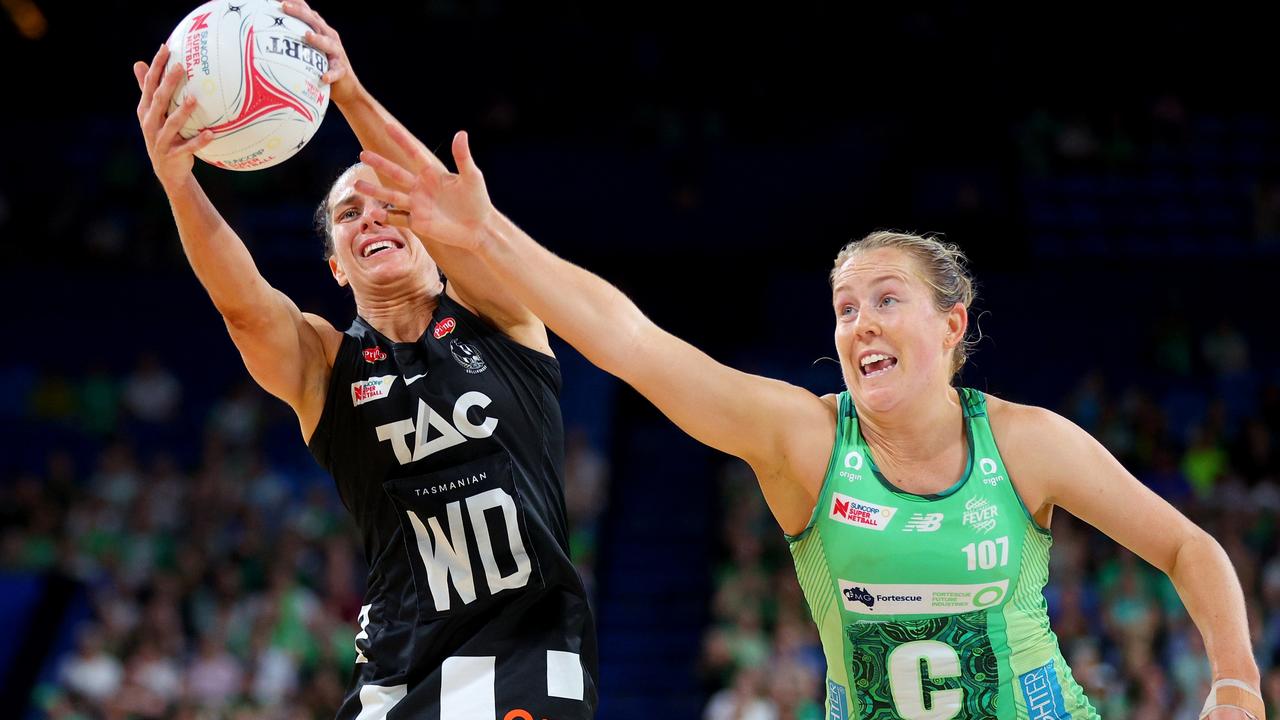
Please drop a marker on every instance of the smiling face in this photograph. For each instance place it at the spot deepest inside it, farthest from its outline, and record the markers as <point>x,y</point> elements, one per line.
<point>366,253</point>
<point>893,341</point>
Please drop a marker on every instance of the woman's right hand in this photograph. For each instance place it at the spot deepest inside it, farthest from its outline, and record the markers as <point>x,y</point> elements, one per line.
<point>171,155</point>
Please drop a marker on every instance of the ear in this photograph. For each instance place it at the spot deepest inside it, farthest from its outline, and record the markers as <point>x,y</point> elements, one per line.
<point>957,324</point>
<point>337,271</point>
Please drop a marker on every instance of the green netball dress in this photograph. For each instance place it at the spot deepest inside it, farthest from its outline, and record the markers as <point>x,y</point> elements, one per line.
<point>931,607</point>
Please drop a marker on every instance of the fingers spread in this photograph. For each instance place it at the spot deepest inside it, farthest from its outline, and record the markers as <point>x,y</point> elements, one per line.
<point>397,218</point>
<point>420,158</point>
<point>391,173</point>
<point>384,194</point>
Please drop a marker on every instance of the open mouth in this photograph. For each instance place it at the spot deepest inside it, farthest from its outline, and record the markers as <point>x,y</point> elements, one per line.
<point>877,364</point>
<point>378,246</point>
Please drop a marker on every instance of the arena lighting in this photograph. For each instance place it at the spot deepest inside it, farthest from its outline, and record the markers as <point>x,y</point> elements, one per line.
<point>26,16</point>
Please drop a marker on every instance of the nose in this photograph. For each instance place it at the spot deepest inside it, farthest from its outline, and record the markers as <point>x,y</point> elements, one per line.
<point>866,325</point>
<point>367,220</point>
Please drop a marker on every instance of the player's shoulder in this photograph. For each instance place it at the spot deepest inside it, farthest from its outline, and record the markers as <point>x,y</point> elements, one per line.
<point>1007,411</point>
<point>1021,428</point>
<point>522,327</point>
<point>831,401</point>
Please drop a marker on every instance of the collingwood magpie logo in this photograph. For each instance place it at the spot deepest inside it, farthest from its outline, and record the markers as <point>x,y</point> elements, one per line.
<point>467,356</point>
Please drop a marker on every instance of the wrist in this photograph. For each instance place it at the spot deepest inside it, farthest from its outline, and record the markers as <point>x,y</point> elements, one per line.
<point>349,92</point>
<point>1237,694</point>
<point>491,234</point>
<point>1245,671</point>
<point>178,184</point>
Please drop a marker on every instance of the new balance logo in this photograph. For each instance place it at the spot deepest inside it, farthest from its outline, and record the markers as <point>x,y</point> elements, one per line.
<point>920,522</point>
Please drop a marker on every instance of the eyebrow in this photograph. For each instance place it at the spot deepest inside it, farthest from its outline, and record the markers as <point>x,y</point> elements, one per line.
<point>351,199</point>
<point>874,281</point>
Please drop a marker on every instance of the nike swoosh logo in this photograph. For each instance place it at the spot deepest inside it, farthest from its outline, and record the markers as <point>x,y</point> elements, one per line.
<point>409,380</point>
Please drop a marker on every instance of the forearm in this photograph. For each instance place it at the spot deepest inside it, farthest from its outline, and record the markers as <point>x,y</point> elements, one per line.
<point>587,312</point>
<point>368,119</point>
<point>1210,590</point>
<point>217,255</point>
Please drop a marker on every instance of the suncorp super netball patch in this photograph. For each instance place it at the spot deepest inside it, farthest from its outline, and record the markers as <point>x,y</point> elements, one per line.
<point>860,513</point>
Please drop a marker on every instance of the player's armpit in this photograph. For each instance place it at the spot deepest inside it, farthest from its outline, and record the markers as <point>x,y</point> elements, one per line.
<point>288,353</point>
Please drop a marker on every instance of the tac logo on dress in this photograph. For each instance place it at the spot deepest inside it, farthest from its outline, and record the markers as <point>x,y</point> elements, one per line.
<point>467,356</point>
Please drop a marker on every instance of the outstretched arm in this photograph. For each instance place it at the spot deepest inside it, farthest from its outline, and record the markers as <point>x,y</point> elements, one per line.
<point>784,432</point>
<point>470,280</point>
<point>286,351</point>
<point>1060,464</point>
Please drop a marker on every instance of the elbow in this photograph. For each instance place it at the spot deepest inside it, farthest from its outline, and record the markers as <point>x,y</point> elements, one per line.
<point>1191,553</point>
<point>250,309</point>
<point>242,320</point>
<point>624,354</point>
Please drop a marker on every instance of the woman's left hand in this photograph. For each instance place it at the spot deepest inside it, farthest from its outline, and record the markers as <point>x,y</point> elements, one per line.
<point>450,208</point>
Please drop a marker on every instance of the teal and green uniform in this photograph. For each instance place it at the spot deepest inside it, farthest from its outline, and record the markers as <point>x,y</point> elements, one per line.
<point>931,607</point>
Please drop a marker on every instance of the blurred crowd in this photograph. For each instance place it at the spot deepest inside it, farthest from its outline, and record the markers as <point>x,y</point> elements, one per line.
<point>227,586</point>
<point>221,576</point>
